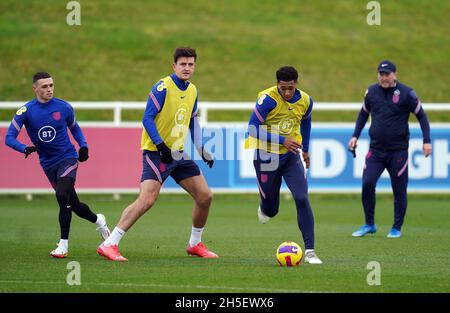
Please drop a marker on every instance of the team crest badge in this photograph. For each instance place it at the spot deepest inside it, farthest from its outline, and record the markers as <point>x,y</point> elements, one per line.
<point>181,115</point>
<point>56,115</point>
<point>162,167</point>
<point>396,96</point>
<point>264,178</point>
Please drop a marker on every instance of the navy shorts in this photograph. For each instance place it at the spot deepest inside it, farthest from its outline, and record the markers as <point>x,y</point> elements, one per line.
<point>65,168</point>
<point>153,168</point>
<point>270,170</point>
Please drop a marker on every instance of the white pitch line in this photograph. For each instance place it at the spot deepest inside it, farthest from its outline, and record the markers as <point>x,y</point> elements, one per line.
<point>161,286</point>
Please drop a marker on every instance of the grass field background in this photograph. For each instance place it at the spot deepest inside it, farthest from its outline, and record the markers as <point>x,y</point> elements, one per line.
<point>121,49</point>
<point>118,53</point>
<point>155,246</point>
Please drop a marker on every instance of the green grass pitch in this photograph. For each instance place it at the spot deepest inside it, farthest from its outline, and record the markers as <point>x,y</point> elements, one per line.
<point>155,246</point>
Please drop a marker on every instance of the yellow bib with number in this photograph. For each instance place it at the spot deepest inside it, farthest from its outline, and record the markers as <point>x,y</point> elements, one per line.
<point>283,120</point>
<point>172,122</point>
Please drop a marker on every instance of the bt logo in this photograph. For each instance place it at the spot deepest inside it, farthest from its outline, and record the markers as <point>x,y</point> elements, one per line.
<point>47,133</point>
<point>285,126</point>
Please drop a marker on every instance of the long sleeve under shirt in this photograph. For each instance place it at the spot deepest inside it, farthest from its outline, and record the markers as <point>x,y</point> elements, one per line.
<point>264,109</point>
<point>46,125</point>
<point>389,109</point>
<point>151,111</point>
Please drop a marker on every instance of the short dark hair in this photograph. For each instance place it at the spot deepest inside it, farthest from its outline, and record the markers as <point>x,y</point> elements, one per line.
<point>40,75</point>
<point>184,52</point>
<point>287,73</point>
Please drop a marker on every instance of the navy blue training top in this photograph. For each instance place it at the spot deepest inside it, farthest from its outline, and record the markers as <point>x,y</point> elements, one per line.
<point>389,109</point>
<point>46,125</point>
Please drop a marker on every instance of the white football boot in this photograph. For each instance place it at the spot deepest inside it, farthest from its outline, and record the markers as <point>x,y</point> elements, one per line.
<point>311,257</point>
<point>263,218</point>
<point>102,227</point>
<point>60,252</point>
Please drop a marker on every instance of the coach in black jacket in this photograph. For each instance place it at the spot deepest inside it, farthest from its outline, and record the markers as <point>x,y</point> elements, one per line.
<point>389,103</point>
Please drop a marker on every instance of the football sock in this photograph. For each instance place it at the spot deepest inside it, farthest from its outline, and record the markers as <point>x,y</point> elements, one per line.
<point>305,221</point>
<point>83,211</point>
<point>63,188</point>
<point>308,250</point>
<point>64,243</point>
<point>99,223</point>
<point>115,237</point>
<point>65,217</point>
<point>196,236</point>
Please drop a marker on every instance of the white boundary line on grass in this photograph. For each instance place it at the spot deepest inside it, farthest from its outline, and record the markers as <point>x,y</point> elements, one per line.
<point>164,286</point>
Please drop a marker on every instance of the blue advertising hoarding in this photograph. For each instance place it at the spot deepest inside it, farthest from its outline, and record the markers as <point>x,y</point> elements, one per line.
<point>333,168</point>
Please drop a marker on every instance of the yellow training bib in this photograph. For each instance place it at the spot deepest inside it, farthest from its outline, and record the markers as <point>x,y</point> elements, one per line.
<point>172,122</point>
<point>283,120</point>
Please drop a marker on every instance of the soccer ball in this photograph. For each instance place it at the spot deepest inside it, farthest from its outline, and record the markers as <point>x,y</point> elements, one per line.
<point>289,254</point>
